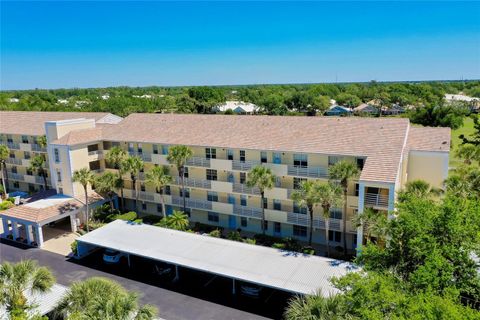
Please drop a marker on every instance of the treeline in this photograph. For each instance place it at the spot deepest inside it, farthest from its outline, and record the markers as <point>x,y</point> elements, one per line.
<point>272,99</point>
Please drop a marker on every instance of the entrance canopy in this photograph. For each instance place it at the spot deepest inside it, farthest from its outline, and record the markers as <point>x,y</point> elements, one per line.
<point>283,270</point>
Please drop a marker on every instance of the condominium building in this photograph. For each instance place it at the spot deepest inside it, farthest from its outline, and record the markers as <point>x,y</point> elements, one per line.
<point>388,151</point>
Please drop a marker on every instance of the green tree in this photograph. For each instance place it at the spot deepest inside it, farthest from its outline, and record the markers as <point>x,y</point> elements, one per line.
<point>469,153</point>
<point>262,178</point>
<point>85,177</point>
<point>133,165</point>
<point>106,184</point>
<point>464,182</point>
<point>475,139</point>
<point>177,221</point>
<point>419,189</point>
<point>42,141</point>
<point>308,196</point>
<point>159,178</point>
<point>16,280</point>
<point>348,100</point>
<point>317,307</point>
<point>329,195</point>
<point>374,223</point>
<point>102,298</point>
<point>344,171</point>
<point>115,158</point>
<point>38,165</point>
<point>4,154</point>
<point>178,156</point>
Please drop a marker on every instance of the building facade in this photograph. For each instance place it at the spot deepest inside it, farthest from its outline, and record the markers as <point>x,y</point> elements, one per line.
<point>389,152</point>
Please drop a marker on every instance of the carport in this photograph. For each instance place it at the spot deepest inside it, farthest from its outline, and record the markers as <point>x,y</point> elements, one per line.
<point>282,270</point>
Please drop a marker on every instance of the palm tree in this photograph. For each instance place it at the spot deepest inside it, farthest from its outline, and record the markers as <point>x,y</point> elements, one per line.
<point>418,189</point>
<point>4,153</point>
<point>177,220</point>
<point>85,177</point>
<point>308,196</point>
<point>178,156</point>
<point>262,178</point>
<point>42,141</point>
<point>159,178</point>
<point>133,165</point>
<point>468,152</point>
<point>37,164</point>
<point>101,298</point>
<point>329,195</point>
<point>106,184</point>
<point>374,223</point>
<point>116,157</point>
<point>317,307</point>
<point>16,280</point>
<point>344,171</point>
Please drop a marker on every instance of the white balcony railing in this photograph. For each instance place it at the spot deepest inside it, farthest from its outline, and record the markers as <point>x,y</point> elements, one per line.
<point>198,162</point>
<point>192,203</point>
<point>95,153</point>
<point>147,157</point>
<point>311,172</point>
<point>37,148</point>
<point>13,145</point>
<point>244,165</point>
<point>243,188</point>
<point>194,183</point>
<point>375,199</point>
<point>247,211</point>
<point>16,176</point>
<point>14,161</point>
<point>318,222</point>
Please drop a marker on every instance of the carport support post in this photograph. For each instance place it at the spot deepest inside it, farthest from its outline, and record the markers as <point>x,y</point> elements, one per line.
<point>177,276</point>
<point>6,230</point>
<point>233,286</point>
<point>39,236</point>
<point>14,230</point>
<point>128,259</point>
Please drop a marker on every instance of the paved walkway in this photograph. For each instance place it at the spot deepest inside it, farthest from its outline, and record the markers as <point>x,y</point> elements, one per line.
<point>59,240</point>
<point>172,305</point>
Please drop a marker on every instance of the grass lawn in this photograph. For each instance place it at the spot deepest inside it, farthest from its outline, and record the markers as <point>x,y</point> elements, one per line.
<point>467,130</point>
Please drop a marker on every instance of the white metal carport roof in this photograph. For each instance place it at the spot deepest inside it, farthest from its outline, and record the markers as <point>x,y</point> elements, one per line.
<point>284,270</point>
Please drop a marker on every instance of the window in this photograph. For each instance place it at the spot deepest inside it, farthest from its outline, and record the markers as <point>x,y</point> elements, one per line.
<point>210,153</point>
<point>144,206</point>
<point>334,236</point>
<point>360,163</point>
<point>354,240</point>
<point>213,217</point>
<point>24,139</point>
<point>29,172</point>
<point>164,150</point>
<point>57,155</point>
<point>300,160</point>
<point>16,185</point>
<point>26,155</point>
<point>243,200</point>
<point>92,147</point>
<point>130,147</point>
<point>277,158</point>
<point>168,190</point>
<point>142,187</point>
<point>212,196</point>
<point>243,177</point>
<point>187,193</point>
<point>59,176</point>
<point>265,225</point>
<point>12,155</point>
<point>263,157</point>
<point>297,183</point>
<point>139,148</point>
<point>336,213</point>
<point>31,188</point>
<point>14,169</point>
<point>242,155</point>
<point>243,222</point>
<point>230,154</point>
<point>265,203</point>
<point>185,172</point>
<point>159,208</point>
<point>155,149</point>
<point>277,204</point>
<point>9,139</point>
<point>298,209</point>
<point>299,231</point>
<point>211,174</point>
<point>277,227</point>
<point>332,160</point>
<point>357,189</point>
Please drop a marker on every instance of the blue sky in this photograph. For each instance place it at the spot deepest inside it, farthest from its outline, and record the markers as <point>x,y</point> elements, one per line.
<point>96,44</point>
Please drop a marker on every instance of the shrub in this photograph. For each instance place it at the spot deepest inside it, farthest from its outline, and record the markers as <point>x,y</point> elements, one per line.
<point>138,220</point>
<point>278,245</point>
<point>201,227</point>
<point>308,250</point>
<point>12,200</point>
<point>266,240</point>
<point>129,216</point>
<point>250,241</point>
<point>94,224</point>
<point>291,244</point>
<point>215,233</point>
<point>6,205</point>
<point>234,236</point>
<point>151,219</point>
<point>74,247</point>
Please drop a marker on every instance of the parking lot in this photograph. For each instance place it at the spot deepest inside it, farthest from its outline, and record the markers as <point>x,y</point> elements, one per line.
<point>253,299</point>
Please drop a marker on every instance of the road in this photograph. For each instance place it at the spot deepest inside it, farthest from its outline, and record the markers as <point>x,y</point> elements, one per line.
<point>172,305</point>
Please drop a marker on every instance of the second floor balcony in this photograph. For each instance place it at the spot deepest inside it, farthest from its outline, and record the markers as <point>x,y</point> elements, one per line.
<point>376,200</point>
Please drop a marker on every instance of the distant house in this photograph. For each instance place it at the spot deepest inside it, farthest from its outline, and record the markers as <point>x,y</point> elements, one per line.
<point>369,108</point>
<point>13,100</point>
<point>394,109</point>
<point>338,111</point>
<point>471,102</point>
<point>238,107</point>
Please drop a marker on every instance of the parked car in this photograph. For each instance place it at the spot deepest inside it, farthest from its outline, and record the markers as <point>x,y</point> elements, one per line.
<point>112,256</point>
<point>251,290</point>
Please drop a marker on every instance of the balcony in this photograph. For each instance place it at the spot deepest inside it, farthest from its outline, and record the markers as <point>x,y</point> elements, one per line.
<point>15,176</point>
<point>310,172</point>
<point>14,161</point>
<point>376,200</point>
<point>147,157</point>
<point>247,211</point>
<point>244,165</point>
<point>13,146</point>
<point>37,148</point>
<point>192,203</point>
<point>194,183</point>
<point>243,188</point>
<point>198,162</point>
<point>95,153</point>
<point>318,222</point>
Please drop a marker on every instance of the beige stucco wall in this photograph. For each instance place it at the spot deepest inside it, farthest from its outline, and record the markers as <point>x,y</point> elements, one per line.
<point>429,166</point>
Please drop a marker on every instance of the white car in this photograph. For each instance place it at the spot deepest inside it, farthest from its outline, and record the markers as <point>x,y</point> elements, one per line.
<point>112,256</point>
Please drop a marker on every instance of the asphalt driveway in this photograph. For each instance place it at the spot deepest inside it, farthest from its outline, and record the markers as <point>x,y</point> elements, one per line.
<point>172,305</point>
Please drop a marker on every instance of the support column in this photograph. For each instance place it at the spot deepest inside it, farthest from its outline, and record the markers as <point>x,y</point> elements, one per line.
<point>27,233</point>
<point>391,199</point>
<point>73,222</point>
<point>361,203</point>
<point>233,287</point>
<point>6,230</point>
<point>39,236</point>
<point>14,230</point>
<point>177,276</point>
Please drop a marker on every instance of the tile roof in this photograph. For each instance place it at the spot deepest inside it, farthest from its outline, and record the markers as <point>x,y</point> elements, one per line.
<point>429,139</point>
<point>81,136</point>
<point>40,210</point>
<point>32,123</point>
